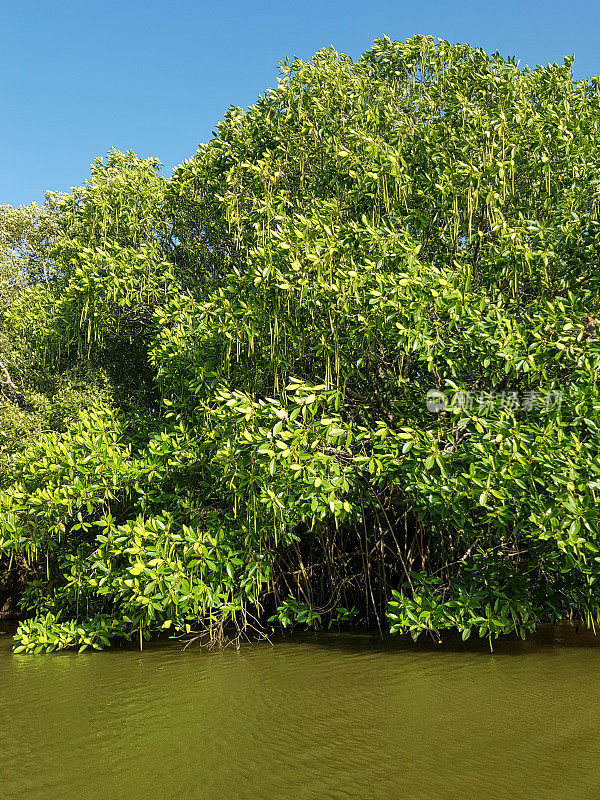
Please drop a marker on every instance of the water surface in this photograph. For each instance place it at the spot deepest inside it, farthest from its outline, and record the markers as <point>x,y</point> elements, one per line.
<point>314,716</point>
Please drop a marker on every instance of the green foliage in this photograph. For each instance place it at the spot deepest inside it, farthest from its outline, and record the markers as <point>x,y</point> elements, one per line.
<point>27,396</point>
<point>48,633</point>
<point>263,329</point>
<point>122,202</point>
<point>293,612</point>
<point>25,236</point>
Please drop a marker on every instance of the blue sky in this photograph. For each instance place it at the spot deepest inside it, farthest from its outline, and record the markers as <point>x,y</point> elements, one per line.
<point>77,78</point>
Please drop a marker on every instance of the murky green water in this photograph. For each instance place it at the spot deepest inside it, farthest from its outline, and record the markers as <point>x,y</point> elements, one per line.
<point>323,716</point>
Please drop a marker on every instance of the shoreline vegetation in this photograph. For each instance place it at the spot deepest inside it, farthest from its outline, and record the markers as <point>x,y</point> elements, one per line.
<point>340,369</point>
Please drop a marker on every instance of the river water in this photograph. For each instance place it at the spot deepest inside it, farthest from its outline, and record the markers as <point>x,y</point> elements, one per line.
<point>313,716</point>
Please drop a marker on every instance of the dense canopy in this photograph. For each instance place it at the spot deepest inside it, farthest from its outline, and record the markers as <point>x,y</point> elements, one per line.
<point>341,367</point>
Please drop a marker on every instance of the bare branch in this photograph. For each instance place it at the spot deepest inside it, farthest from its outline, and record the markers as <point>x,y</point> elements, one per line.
<point>8,379</point>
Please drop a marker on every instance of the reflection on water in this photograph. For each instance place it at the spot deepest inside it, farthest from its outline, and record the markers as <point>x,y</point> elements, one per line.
<point>315,716</point>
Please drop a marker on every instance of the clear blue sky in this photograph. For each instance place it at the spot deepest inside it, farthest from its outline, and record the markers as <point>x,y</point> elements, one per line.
<point>77,78</point>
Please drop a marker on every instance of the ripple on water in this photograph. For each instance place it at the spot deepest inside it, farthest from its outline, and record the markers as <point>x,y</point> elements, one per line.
<point>315,716</point>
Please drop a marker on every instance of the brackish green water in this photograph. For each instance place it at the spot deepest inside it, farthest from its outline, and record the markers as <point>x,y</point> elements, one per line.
<point>315,716</point>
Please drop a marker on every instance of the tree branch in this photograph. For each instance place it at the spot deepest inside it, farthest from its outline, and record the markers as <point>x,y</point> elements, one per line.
<point>8,379</point>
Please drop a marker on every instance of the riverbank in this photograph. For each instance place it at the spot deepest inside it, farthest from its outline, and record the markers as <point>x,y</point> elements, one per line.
<point>562,635</point>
